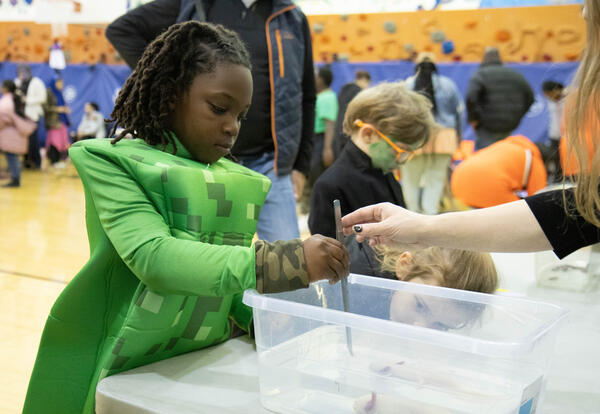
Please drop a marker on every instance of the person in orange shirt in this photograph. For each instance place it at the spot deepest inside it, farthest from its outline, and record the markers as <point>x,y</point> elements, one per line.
<point>569,160</point>
<point>507,170</point>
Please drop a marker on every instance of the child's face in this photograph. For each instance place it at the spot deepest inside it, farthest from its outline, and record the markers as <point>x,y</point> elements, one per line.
<point>383,155</point>
<point>207,117</point>
<point>422,310</point>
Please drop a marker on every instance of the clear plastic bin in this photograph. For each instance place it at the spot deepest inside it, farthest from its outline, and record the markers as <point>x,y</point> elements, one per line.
<point>578,272</point>
<point>415,349</point>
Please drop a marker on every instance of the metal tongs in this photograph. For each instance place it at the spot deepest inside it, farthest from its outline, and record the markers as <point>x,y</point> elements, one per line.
<point>339,235</point>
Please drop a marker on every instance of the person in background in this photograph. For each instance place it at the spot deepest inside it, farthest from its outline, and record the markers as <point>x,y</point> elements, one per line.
<point>92,123</point>
<point>508,170</point>
<point>554,93</point>
<point>276,139</point>
<point>34,91</point>
<point>57,121</point>
<point>386,123</point>
<point>497,98</point>
<point>326,111</point>
<point>15,129</point>
<point>362,80</point>
<point>425,175</point>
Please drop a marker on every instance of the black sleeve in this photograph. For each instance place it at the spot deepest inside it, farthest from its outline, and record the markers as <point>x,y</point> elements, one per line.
<point>132,32</point>
<point>321,219</point>
<point>302,163</point>
<point>566,232</point>
<point>472,97</point>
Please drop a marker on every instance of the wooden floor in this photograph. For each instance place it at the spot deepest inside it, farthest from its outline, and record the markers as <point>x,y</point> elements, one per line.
<point>43,244</point>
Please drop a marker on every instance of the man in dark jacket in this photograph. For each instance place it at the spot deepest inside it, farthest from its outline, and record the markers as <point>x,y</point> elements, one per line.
<point>276,139</point>
<point>497,98</point>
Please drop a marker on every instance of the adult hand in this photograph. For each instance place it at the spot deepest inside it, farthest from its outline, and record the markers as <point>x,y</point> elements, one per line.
<point>298,180</point>
<point>327,156</point>
<point>474,124</point>
<point>385,223</point>
<point>326,258</point>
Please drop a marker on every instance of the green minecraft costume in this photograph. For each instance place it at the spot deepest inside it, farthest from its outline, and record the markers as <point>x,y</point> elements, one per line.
<point>171,255</point>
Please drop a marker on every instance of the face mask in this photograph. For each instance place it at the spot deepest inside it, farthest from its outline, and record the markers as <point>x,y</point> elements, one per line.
<point>383,156</point>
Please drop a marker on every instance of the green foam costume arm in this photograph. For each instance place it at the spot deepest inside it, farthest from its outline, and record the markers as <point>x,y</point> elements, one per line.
<point>141,236</point>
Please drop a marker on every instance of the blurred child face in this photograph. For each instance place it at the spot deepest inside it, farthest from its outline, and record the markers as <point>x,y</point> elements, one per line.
<point>207,117</point>
<point>554,95</point>
<point>422,310</point>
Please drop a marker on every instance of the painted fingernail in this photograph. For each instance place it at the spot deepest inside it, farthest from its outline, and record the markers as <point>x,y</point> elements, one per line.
<point>357,228</point>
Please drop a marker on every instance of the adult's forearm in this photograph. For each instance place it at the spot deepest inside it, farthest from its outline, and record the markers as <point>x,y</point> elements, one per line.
<point>510,227</point>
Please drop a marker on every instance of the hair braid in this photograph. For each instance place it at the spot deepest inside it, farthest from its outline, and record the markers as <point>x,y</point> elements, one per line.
<point>165,71</point>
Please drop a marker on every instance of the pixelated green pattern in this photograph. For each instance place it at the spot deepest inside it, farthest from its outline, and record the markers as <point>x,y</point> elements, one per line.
<point>203,204</point>
<point>216,191</point>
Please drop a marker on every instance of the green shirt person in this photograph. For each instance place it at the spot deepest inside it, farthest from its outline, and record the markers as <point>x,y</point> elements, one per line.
<point>170,223</point>
<point>326,111</point>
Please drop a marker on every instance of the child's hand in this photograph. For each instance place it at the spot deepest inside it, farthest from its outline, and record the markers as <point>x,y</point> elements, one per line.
<point>326,258</point>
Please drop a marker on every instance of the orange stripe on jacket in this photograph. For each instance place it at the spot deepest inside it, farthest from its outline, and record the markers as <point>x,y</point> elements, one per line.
<point>492,175</point>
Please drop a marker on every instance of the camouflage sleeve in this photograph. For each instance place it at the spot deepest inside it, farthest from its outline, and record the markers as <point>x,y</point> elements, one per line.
<point>280,266</point>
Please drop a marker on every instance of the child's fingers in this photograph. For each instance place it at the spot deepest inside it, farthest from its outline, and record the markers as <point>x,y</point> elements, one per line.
<point>338,270</point>
<point>337,250</point>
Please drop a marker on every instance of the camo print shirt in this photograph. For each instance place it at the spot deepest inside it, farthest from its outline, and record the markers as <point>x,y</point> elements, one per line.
<point>280,266</point>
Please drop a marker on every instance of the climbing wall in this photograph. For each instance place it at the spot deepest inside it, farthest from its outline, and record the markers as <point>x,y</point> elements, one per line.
<point>524,34</point>
<point>31,42</point>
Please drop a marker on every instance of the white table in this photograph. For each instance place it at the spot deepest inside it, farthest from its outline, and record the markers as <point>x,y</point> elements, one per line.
<point>224,379</point>
<point>221,379</point>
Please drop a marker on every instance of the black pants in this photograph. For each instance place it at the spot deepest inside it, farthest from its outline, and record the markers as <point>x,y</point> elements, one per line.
<point>33,159</point>
<point>55,155</point>
<point>484,137</point>
<point>316,169</point>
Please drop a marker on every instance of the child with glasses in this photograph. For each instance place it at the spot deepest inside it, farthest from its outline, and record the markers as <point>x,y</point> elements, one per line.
<point>386,123</point>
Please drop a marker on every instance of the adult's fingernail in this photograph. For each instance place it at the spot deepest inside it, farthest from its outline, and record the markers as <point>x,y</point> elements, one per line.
<point>357,228</point>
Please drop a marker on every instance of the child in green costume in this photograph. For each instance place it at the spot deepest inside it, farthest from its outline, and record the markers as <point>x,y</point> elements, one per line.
<point>170,224</point>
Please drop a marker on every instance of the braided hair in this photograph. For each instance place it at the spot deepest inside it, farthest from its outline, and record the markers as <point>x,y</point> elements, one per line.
<point>165,71</point>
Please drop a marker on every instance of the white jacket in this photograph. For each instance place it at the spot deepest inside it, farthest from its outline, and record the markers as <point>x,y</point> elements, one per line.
<point>36,97</point>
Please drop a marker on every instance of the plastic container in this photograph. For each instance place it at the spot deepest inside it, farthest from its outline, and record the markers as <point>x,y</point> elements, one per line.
<point>415,349</point>
<point>578,272</point>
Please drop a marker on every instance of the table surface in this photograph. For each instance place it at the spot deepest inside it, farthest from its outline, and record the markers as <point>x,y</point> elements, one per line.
<point>224,378</point>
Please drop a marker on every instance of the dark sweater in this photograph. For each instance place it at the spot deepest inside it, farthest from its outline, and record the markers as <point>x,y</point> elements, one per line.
<point>352,180</point>
<point>498,97</point>
<point>255,134</point>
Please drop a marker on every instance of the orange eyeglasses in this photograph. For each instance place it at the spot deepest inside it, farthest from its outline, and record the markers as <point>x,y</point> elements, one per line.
<point>401,155</point>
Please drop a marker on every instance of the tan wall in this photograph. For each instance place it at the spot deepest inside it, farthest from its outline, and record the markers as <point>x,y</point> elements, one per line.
<point>525,34</point>
<point>31,42</point>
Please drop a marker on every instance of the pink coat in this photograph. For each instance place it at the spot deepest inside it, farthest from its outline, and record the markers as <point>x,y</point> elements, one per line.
<point>14,130</point>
